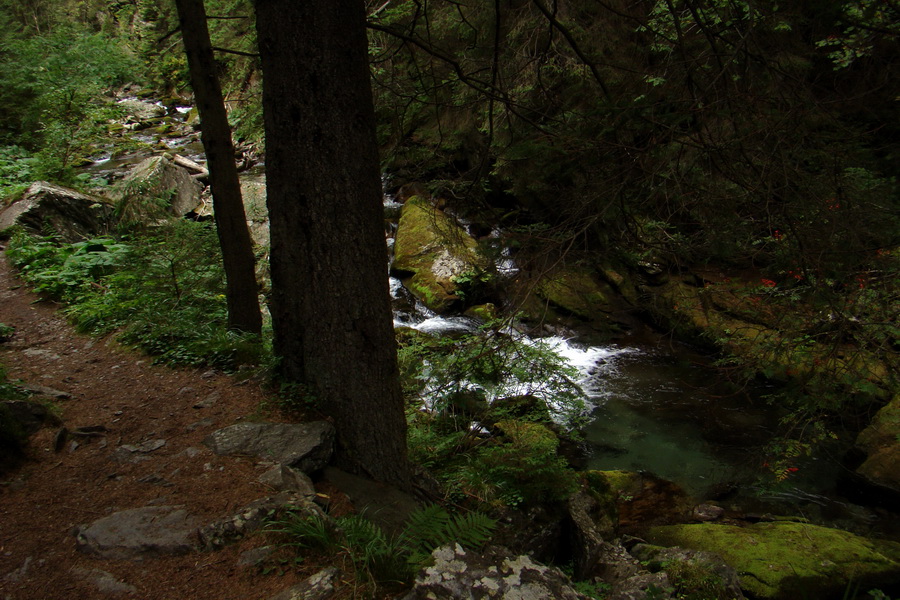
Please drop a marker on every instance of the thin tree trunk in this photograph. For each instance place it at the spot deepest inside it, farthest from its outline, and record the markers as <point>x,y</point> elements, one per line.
<point>330,303</point>
<point>231,222</point>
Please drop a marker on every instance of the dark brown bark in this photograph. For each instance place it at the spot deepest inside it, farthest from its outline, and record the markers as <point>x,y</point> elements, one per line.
<point>330,303</point>
<point>241,291</point>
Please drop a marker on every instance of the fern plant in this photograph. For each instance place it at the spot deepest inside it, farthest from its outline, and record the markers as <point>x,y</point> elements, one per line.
<point>377,557</point>
<point>432,526</point>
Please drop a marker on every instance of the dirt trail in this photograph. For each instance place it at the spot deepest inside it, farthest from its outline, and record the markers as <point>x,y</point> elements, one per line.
<point>53,492</point>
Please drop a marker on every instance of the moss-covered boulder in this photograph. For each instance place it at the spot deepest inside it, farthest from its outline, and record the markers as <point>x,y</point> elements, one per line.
<point>575,291</point>
<point>881,443</point>
<point>432,252</point>
<point>787,560</point>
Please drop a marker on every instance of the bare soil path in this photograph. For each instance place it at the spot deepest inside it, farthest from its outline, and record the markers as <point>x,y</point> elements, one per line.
<point>54,492</point>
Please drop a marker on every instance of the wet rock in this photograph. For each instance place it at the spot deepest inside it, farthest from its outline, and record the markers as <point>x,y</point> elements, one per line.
<point>138,533</point>
<point>303,446</point>
<point>458,575</point>
<point>318,587</point>
<point>106,583</point>
<point>785,560</point>
<point>283,478</point>
<point>72,215</point>
<point>252,518</point>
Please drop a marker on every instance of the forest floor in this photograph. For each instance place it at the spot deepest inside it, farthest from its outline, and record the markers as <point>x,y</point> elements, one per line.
<point>52,493</point>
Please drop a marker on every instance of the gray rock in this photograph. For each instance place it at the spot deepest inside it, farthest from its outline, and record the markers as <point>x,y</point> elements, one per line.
<point>138,533</point>
<point>643,587</point>
<point>458,575</point>
<point>104,582</point>
<point>318,587</point>
<point>141,111</point>
<point>72,215</point>
<point>254,556</point>
<point>286,479</point>
<point>303,446</point>
<point>157,176</point>
<point>589,523</point>
<point>251,518</point>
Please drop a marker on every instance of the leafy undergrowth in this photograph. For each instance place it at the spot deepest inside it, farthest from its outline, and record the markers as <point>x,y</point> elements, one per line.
<point>162,290</point>
<point>381,562</point>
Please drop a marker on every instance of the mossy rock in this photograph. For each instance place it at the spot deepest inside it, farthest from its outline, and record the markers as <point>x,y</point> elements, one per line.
<point>430,251</point>
<point>717,313</point>
<point>641,499</point>
<point>881,443</point>
<point>575,291</point>
<point>785,560</point>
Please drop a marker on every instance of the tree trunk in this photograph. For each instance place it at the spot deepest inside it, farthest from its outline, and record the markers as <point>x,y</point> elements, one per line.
<point>331,303</point>
<point>231,223</point>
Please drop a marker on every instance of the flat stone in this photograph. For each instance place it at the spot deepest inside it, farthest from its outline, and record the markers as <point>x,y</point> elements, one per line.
<point>139,533</point>
<point>304,446</point>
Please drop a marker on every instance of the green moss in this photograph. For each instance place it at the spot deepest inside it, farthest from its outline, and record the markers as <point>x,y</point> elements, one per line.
<point>430,250</point>
<point>576,292</point>
<point>790,560</point>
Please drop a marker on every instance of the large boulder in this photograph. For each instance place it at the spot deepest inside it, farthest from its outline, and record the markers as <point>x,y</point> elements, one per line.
<point>881,443</point>
<point>787,560</point>
<point>71,215</point>
<point>459,575</point>
<point>303,446</point>
<point>158,178</point>
<point>576,292</point>
<point>431,252</point>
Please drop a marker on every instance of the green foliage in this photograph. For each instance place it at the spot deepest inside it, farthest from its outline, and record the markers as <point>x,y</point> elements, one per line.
<point>459,387</point>
<point>162,289</point>
<point>498,365</point>
<point>693,581</point>
<point>377,557</point>
<point>50,88</point>
<point>16,165</point>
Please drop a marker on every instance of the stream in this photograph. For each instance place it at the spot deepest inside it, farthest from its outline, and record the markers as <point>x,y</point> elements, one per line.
<point>657,406</point>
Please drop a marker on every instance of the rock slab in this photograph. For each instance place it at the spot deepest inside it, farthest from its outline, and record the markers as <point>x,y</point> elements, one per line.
<point>303,446</point>
<point>138,533</point>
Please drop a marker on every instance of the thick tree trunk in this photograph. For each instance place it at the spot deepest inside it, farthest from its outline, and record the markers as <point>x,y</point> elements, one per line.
<point>330,303</point>
<point>241,291</point>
